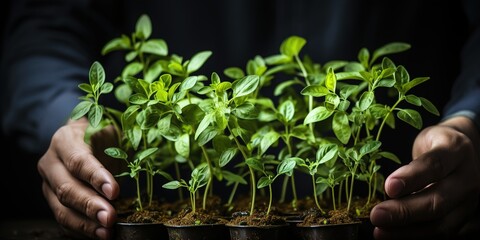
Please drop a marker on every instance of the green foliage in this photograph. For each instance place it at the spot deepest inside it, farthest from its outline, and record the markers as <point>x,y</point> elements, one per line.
<point>326,122</point>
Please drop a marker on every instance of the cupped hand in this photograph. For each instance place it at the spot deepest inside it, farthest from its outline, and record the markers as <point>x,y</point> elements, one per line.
<point>436,193</point>
<point>76,185</point>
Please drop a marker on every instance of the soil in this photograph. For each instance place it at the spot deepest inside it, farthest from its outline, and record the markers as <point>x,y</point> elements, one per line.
<point>316,217</point>
<point>257,219</point>
<point>200,216</point>
<point>302,205</point>
<point>156,212</point>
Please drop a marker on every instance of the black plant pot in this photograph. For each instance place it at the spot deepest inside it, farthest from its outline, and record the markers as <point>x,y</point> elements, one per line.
<point>197,232</point>
<point>365,230</point>
<point>293,231</point>
<point>346,231</point>
<point>248,232</point>
<point>140,231</point>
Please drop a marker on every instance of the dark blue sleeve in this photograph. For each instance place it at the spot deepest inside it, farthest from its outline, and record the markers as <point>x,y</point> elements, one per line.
<point>47,52</point>
<point>465,96</point>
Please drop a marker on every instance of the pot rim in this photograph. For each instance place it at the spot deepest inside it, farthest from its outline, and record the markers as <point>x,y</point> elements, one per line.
<point>136,224</point>
<point>254,226</point>
<point>193,225</point>
<point>330,225</point>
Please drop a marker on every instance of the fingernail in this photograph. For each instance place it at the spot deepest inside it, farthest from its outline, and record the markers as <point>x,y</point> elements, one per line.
<point>380,217</point>
<point>101,233</point>
<point>102,217</point>
<point>107,190</point>
<point>395,187</point>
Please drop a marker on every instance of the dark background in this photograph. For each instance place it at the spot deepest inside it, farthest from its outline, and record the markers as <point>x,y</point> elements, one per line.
<point>20,182</point>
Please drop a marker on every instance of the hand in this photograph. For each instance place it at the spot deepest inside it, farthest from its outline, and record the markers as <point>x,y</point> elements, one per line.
<point>435,194</point>
<point>76,185</point>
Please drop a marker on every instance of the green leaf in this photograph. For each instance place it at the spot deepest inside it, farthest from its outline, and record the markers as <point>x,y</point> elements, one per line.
<point>96,75</point>
<point>341,127</point>
<point>182,145</point>
<point>315,91</point>
<point>429,106</point>
<point>349,75</point>
<point>354,67</point>
<point>155,46</point>
<point>292,46</point>
<point>204,124</point>
<point>135,136</point>
<point>208,134</point>
<point>281,87</point>
<point>85,87</point>
<point>366,100</point>
<point>246,111</point>
<point>334,64</point>
<point>197,61</point>
<point>363,57</point>
<point>227,156</point>
<point>188,83</point>
<point>331,80</point>
<point>390,48</point>
<point>143,27</point>
<point>172,185</point>
<point>401,77</point>
<point>123,93</point>
<point>268,140</point>
<point>332,101</point>
<point>80,110</point>
<point>326,152</point>
<point>116,153</point>
<point>412,99</point>
<point>106,88</point>
<point>287,110</point>
<point>231,177</point>
<point>132,69</point>
<point>234,72</point>
<point>264,181</point>
<point>245,85</point>
<point>317,114</point>
<point>411,117</point>
<point>147,153</point>
<point>286,166</point>
<point>255,164</point>
<point>122,43</point>
<point>414,82</point>
<point>390,156</point>
<point>370,147</point>
<point>95,115</point>
<point>138,99</point>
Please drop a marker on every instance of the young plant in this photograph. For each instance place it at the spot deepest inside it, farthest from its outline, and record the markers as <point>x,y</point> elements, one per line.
<point>199,177</point>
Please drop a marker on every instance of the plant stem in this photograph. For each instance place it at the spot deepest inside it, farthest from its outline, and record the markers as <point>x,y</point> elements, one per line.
<point>315,193</point>
<point>290,152</point>
<point>270,201</point>
<point>252,174</point>
<point>177,172</point>
<point>139,196</point>
<point>400,98</point>
<point>351,187</point>
<point>210,176</point>
<point>310,98</point>
<point>333,198</point>
<point>252,178</point>
<point>340,188</point>
<point>284,189</point>
<point>192,200</point>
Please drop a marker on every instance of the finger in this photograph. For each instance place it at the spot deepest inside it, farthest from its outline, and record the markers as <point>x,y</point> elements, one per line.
<point>80,162</point>
<point>73,220</point>
<point>76,195</point>
<point>428,168</point>
<point>431,203</point>
<point>445,228</point>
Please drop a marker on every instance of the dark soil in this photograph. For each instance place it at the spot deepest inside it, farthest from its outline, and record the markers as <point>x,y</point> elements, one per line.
<point>156,212</point>
<point>257,219</point>
<point>200,216</point>
<point>316,217</point>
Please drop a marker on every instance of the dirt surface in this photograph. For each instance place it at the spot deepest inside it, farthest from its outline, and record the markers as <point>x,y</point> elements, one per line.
<point>257,219</point>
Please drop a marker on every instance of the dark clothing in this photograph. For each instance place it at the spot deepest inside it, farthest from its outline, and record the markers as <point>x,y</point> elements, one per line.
<point>50,46</point>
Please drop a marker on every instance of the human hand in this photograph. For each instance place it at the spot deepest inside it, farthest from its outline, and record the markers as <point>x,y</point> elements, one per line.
<point>436,193</point>
<point>76,185</point>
